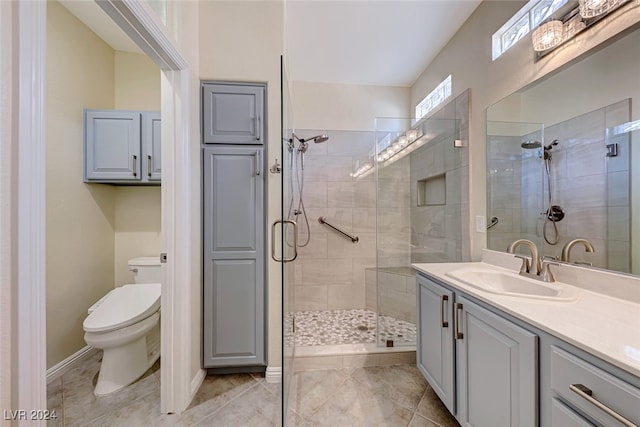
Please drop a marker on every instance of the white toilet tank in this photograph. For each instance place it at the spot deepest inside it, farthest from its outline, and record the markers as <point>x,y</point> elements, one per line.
<point>145,269</point>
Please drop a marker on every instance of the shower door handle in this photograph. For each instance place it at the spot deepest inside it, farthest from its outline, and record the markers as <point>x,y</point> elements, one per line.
<point>273,240</point>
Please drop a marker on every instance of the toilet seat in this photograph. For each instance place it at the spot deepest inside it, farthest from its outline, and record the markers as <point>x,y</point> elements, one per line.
<point>124,306</point>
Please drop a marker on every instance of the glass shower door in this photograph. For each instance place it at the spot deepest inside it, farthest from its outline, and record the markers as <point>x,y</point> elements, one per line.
<point>288,240</point>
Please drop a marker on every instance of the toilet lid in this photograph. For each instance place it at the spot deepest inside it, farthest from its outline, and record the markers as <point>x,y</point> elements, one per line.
<point>124,306</point>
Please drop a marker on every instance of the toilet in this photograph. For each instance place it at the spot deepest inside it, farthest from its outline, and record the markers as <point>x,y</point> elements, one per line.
<point>125,325</point>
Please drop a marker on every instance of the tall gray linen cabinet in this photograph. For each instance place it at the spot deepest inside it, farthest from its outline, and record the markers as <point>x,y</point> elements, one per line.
<point>234,221</point>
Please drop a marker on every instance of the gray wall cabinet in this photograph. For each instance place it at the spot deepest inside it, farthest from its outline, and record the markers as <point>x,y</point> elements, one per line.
<point>122,147</point>
<point>233,113</point>
<point>234,226</point>
<point>483,367</point>
<point>234,315</point>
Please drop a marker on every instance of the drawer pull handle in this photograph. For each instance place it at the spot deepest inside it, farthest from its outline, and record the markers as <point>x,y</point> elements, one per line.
<point>587,395</point>
<point>134,165</point>
<point>443,303</point>
<point>456,322</point>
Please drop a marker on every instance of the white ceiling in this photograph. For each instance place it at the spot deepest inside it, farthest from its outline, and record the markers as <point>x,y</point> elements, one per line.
<point>371,42</point>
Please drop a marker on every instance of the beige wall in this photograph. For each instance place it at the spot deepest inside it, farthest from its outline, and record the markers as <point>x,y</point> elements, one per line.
<point>137,209</point>
<point>346,107</point>
<point>242,41</point>
<point>92,229</point>
<point>80,218</point>
<point>467,57</point>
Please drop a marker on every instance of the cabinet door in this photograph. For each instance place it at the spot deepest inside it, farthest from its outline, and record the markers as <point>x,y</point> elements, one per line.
<point>497,369</point>
<point>112,145</point>
<point>152,146</point>
<point>563,416</point>
<point>435,355</point>
<point>234,324</point>
<point>233,114</point>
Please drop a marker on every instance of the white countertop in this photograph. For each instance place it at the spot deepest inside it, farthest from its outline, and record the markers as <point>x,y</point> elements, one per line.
<point>605,326</point>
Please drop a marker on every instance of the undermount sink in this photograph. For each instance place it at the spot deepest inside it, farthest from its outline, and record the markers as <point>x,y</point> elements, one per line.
<point>508,283</point>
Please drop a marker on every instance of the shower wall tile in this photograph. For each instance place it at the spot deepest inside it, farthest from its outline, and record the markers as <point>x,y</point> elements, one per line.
<point>315,248</point>
<point>325,271</point>
<point>315,194</point>
<point>338,168</point>
<point>310,298</point>
<point>340,194</point>
<point>313,213</point>
<point>346,296</point>
<point>587,159</point>
<point>618,188</point>
<point>364,220</point>
<point>394,219</point>
<point>314,169</point>
<point>621,161</point>
<point>360,267</point>
<point>364,195</point>
<point>618,223</point>
<point>586,192</point>
<point>618,255</point>
<point>587,223</point>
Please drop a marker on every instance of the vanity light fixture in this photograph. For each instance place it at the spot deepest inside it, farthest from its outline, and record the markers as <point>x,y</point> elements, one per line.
<point>547,36</point>
<point>592,8</point>
<point>585,13</point>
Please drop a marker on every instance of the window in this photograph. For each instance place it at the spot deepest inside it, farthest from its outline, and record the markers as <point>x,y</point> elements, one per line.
<point>522,23</point>
<point>435,98</point>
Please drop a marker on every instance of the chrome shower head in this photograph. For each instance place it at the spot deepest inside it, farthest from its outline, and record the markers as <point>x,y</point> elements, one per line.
<point>531,144</point>
<point>317,139</point>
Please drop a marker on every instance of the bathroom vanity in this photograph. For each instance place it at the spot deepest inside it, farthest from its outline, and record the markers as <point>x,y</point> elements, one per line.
<point>503,350</point>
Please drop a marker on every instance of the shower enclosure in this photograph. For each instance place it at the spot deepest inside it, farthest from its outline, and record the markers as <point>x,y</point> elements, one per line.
<point>573,184</point>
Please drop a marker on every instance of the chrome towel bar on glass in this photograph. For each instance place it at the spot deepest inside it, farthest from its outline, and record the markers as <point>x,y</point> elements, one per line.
<point>323,220</point>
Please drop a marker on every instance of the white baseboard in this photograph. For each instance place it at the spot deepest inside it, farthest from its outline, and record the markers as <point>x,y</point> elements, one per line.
<point>63,367</point>
<point>273,374</point>
<point>196,382</point>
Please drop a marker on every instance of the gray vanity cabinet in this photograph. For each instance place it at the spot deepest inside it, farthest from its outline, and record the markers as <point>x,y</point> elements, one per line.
<point>435,349</point>
<point>233,113</point>
<point>482,366</point>
<point>497,369</point>
<point>121,147</point>
<point>234,233</point>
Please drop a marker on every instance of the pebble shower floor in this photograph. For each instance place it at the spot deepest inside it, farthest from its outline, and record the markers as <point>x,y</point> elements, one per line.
<point>357,326</point>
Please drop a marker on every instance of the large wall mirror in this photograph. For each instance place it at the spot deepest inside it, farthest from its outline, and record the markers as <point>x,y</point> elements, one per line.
<point>563,161</point>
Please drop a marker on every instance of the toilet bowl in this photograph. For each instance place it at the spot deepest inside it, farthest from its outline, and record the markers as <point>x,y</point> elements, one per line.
<point>125,325</point>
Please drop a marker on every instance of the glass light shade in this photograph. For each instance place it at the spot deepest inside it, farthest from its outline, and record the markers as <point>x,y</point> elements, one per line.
<point>591,8</point>
<point>547,36</point>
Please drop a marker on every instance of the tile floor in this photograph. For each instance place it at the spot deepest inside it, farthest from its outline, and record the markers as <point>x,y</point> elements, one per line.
<point>380,396</point>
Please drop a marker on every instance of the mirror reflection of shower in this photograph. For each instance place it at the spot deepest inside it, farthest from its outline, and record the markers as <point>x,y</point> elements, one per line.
<point>297,211</point>
<point>553,213</point>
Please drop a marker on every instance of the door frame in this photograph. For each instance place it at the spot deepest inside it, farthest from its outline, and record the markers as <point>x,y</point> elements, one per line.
<point>22,202</point>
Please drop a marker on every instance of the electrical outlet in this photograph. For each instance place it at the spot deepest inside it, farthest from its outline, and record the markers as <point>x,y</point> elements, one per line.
<point>481,224</point>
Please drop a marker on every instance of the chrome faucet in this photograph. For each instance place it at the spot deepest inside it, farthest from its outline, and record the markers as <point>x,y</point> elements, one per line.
<point>566,250</point>
<point>535,259</point>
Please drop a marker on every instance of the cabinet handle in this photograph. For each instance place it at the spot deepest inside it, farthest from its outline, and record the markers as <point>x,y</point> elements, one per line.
<point>587,394</point>
<point>443,304</point>
<point>258,162</point>
<point>258,128</point>
<point>134,166</point>
<point>149,166</point>
<point>456,322</point>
